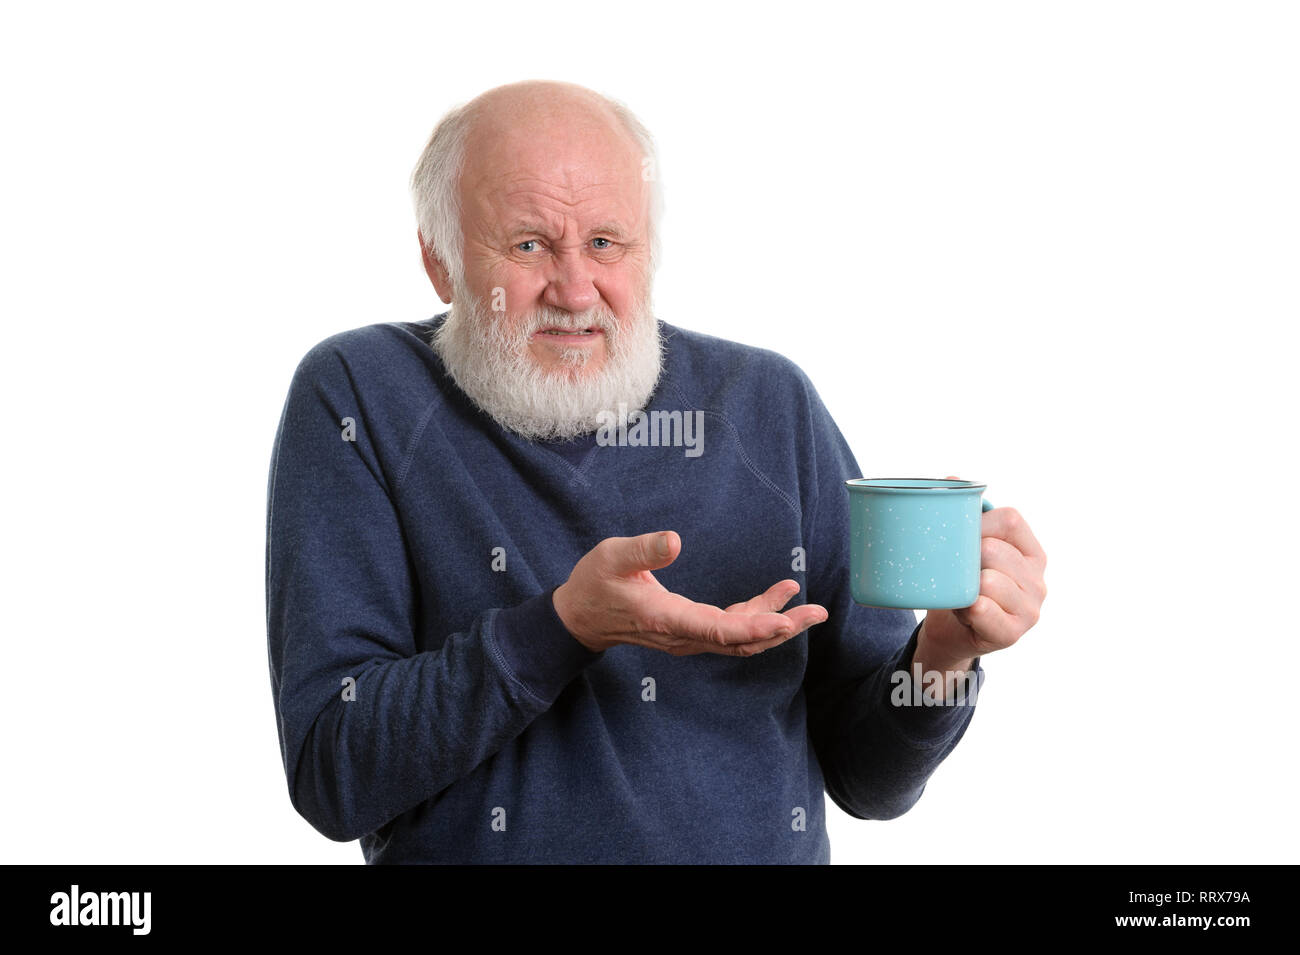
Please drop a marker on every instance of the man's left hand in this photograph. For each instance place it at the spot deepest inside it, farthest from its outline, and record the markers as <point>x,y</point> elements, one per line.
<point>1010,598</point>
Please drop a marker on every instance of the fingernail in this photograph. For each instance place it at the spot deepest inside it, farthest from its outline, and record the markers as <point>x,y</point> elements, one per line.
<point>661,545</point>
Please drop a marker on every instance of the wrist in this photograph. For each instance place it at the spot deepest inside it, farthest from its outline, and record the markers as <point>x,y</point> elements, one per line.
<point>930,657</point>
<point>566,609</point>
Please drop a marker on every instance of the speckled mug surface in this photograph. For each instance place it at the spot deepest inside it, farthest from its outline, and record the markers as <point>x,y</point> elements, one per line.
<point>915,542</point>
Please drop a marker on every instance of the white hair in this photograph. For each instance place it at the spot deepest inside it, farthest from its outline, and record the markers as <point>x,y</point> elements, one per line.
<point>490,362</point>
<point>435,183</point>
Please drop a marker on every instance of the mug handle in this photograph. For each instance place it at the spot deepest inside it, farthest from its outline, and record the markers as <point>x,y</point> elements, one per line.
<point>985,503</point>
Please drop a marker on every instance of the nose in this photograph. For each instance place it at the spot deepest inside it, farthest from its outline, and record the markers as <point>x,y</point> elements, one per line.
<point>569,284</point>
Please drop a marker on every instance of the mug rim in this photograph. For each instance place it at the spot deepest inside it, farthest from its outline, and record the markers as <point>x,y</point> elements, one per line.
<point>951,486</point>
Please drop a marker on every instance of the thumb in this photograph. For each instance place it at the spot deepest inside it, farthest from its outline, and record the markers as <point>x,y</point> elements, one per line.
<point>646,552</point>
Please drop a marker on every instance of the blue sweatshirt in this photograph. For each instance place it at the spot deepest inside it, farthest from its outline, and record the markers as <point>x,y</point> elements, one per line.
<point>430,702</point>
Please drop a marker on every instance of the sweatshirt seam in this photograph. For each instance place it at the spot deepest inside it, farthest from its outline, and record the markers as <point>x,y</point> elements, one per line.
<point>576,470</point>
<point>579,469</point>
<point>409,454</point>
<point>494,651</point>
<point>740,447</point>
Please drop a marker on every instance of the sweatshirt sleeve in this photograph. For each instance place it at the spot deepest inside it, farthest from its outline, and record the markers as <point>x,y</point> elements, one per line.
<point>876,756</point>
<point>370,727</point>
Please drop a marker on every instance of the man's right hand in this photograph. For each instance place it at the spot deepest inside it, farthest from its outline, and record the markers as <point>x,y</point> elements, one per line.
<point>611,598</point>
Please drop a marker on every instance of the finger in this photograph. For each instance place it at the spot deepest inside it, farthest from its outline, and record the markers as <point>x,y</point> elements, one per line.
<point>623,556</point>
<point>752,648</point>
<point>776,597</point>
<point>675,615</point>
<point>1000,614</point>
<point>1007,524</point>
<point>695,647</point>
<point>997,554</point>
<point>805,616</point>
<point>811,614</point>
<point>802,618</point>
<point>1010,597</point>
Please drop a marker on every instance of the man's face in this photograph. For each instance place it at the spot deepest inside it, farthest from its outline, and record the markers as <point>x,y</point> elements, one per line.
<point>550,323</point>
<point>554,217</point>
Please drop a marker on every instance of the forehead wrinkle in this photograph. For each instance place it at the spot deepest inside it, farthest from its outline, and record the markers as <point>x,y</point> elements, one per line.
<point>531,188</point>
<point>525,207</point>
<point>516,184</point>
<point>501,168</point>
<point>538,202</point>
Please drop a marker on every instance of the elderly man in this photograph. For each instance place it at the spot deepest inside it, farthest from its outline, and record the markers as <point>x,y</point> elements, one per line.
<point>501,542</point>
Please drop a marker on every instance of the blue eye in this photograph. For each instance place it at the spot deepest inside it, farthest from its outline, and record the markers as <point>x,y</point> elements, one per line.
<point>607,244</point>
<point>521,245</point>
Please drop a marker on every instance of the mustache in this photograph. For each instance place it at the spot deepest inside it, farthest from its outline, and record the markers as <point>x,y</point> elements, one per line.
<point>600,317</point>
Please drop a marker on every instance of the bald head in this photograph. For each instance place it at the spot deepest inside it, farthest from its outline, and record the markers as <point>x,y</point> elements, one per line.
<point>537,104</point>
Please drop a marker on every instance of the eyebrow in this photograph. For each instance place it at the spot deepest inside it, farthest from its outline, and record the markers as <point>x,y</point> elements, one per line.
<point>610,228</point>
<point>533,227</point>
<point>522,226</point>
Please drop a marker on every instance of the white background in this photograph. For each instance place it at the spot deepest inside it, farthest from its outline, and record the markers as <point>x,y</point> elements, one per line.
<point>1049,246</point>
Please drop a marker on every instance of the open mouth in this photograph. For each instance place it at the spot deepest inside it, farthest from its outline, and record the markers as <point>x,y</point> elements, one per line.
<point>568,332</point>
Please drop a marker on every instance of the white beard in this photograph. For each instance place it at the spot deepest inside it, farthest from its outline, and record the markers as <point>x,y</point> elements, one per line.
<point>490,361</point>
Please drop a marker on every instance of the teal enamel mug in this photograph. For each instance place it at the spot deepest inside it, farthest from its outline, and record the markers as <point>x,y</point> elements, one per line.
<point>915,542</point>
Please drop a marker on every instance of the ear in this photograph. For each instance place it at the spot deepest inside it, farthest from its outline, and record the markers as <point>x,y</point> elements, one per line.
<point>435,270</point>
